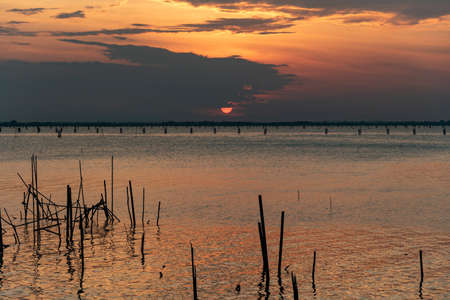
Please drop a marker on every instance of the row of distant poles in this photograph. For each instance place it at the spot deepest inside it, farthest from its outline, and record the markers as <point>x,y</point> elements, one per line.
<point>59,130</point>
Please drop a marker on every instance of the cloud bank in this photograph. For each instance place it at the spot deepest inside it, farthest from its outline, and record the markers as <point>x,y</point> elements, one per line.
<point>157,85</point>
<point>27,11</point>
<point>404,11</point>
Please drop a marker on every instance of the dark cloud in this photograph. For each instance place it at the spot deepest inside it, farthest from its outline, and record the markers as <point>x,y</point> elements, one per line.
<point>235,25</point>
<point>118,31</point>
<point>27,11</point>
<point>360,19</point>
<point>75,14</point>
<point>11,31</point>
<point>274,32</point>
<point>405,11</point>
<point>140,25</point>
<point>121,38</point>
<point>239,25</point>
<point>158,85</point>
<point>21,43</point>
<point>16,22</point>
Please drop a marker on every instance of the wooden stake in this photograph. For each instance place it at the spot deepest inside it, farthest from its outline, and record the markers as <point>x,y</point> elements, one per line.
<point>128,207</point>
<point>112,186</point>
<point>157,218</point>
<point>421,266</point>
<point>142,248</point>
<point>132,205</point>
<point>280,253</point>
<point>263,230</point>
<point>194,274</point>
<point>314,267</point>
<point>69,215</point>
<point>143,206</point>
<point>294,285</point>
<point>1,234</point>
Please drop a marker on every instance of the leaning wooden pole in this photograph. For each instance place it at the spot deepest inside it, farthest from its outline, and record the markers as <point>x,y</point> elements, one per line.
<point>157,217</point>
<point>128,207</point>
<point>112,187</point>
<point>132,205</point>
<point>280,252</point>
<point>143,206</point>
<point>294,286</point>
<point>421,266</point>
<point>264,235</point>
<point>1,234</point>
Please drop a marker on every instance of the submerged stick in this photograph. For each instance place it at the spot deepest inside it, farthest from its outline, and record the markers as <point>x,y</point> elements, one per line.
<point>280,253</point>
<point>16,236</point>
<point>59,227</point>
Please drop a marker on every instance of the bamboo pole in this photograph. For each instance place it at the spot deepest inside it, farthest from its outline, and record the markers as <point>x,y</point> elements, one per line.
<point>294,286</point>
<point>132,205</point>
<point>421,266</point>
<point>1,234</point>
<point>194,274</point>
<point>280,253</point>
<point>263,230</point>
<point>128,207</point>
<point>143,206</point>
<point>112,186</point>
<point>157,218</point>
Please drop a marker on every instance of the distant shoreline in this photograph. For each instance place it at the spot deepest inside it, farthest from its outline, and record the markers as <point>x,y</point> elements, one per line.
<point>223,124</point>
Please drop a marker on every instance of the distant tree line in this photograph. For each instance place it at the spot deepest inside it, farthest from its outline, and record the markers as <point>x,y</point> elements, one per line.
<point>226,123</point>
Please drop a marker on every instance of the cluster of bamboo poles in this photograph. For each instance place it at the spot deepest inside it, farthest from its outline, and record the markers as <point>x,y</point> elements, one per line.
<point>43,214</point>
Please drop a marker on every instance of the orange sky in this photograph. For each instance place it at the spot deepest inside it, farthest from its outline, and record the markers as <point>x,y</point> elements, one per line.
<point>326,47</point>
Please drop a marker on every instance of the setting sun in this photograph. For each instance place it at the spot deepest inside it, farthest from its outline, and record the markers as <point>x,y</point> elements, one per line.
<point>226,110</point>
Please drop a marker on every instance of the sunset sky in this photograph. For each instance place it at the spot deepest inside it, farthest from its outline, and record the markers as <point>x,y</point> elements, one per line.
<point>270,60</point>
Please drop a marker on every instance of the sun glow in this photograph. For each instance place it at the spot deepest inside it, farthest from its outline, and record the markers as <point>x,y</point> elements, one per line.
<point>226,110</point>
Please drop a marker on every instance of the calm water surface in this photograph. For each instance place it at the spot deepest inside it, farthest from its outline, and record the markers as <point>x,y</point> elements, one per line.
<point>367,205</point>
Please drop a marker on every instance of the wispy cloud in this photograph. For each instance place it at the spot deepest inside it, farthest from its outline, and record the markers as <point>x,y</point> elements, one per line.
<point>118,31</point>
<point>16,22</point>
<point>234,25</point>
<point>75,14</point>
<point>21,43</point>
<point>27,11</point>
<point>11,31</point>
<point>239,25</point>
